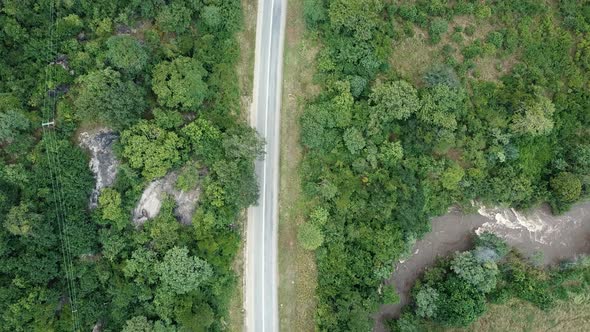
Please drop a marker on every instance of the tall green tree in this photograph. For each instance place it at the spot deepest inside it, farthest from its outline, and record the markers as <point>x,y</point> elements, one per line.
<point>151,149</point>
<point>102,96</point>
<point>535,117</point>
<point>179,83</point>
<point>126,53</point>
<point>181,273</point>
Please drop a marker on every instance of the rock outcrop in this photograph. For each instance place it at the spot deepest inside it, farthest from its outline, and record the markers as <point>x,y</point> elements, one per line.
<point>151,200</point>
<point>103,162</point>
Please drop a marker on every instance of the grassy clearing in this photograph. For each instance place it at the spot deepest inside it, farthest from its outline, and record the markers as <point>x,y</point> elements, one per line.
<point>297,269</point>
<point>572,316</point>
<point>423,54</point>
<point>245,71</point>
<point>488,67</point>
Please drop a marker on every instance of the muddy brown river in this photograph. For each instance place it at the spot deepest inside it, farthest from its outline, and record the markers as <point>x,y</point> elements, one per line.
<point>556,237</point>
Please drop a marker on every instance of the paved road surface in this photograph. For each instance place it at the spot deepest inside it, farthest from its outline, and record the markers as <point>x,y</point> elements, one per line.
<point>261,246</point>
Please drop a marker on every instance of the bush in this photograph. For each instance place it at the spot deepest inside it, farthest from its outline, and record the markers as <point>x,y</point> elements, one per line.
<point>427,300</point>
<point>179,83</point>
<point>566,186</point>
<point>473,50</point>
<point>151,149</point>
<point>492,241</point>
<point>459,304</point>
<point>495,38</point>
<point>310,236</point>
<point>102,96</point>
<point>314,12</point>
<point>126,53</point>
<point>583,52</point>
<point>438,27</point>
<point>441,74</point>
<point>174,18</point>
<point>390,295</point>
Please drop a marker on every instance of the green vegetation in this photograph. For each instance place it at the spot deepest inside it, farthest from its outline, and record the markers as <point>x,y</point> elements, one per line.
<point>493,110</point>
<point>457,290</point>
<point>179,83</point>
<point>163,74</point>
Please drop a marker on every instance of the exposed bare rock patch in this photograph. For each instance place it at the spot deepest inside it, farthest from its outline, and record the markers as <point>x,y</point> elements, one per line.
<point>103,162</point>
<point>151,200</point>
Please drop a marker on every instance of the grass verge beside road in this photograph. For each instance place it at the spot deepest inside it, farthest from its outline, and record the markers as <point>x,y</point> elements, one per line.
<point>297,270</point>
<point>245,71</point>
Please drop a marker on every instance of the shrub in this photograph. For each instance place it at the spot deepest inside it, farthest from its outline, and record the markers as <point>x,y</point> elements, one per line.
<point>390,295</point>
<point>441,74</point>
<point>126,53</point>
<point>310,236</point>
<point>438,27</point>
<point>492,241</point>
<point>535,117</point>
<point>495,38</point>
<point>179,83</point>
<point>426,302</point>
<point>314,12</point>
<point>103,96</point>
<point>566,186</point>
<point>472,50</point>
<point>459,304</point>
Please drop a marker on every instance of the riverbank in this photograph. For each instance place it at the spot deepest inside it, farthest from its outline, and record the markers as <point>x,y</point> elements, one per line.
<point>536,233</point>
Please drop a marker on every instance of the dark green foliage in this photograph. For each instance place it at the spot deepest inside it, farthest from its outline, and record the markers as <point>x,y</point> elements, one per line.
<point>491,241</point>
<point>179,84</point>
<point>126,53</point>
<point>437,28</point>
<point>151,149</point>
<point>162,275</point>
<point>566,188</point>
<point>174,17</point>
<point>181,273</point>
<point>441,74</point>
<point>314,12</point>
<point>459,304</point>
<point>495,38</point>
<point>310,236</point>
<point>383,156</point>
<point>102,95</point>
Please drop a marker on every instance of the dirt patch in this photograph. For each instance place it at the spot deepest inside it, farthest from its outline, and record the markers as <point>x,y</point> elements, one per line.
<point>99,143</point>
<point>556,237</point>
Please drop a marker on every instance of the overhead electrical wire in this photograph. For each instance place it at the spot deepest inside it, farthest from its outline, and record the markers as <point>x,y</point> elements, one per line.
<point>49,138</point>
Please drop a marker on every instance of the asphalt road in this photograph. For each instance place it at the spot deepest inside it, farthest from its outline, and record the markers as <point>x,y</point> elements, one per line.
<point>261,300</point>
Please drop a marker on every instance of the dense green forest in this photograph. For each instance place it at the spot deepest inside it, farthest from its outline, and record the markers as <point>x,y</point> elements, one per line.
<point>161,73</point>
<point>387,149</point>
<point>456,290</point>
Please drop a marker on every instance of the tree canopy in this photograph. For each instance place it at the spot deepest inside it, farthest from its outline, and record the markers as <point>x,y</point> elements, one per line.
<point>126,53</point>
<point>103,96</point>
<point>179,84</point>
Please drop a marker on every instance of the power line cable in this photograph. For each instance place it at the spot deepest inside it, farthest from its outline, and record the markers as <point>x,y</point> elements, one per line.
<point>55,174</point>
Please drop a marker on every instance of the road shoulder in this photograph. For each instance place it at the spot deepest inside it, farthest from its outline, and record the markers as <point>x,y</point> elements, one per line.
<point>297,270</point>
